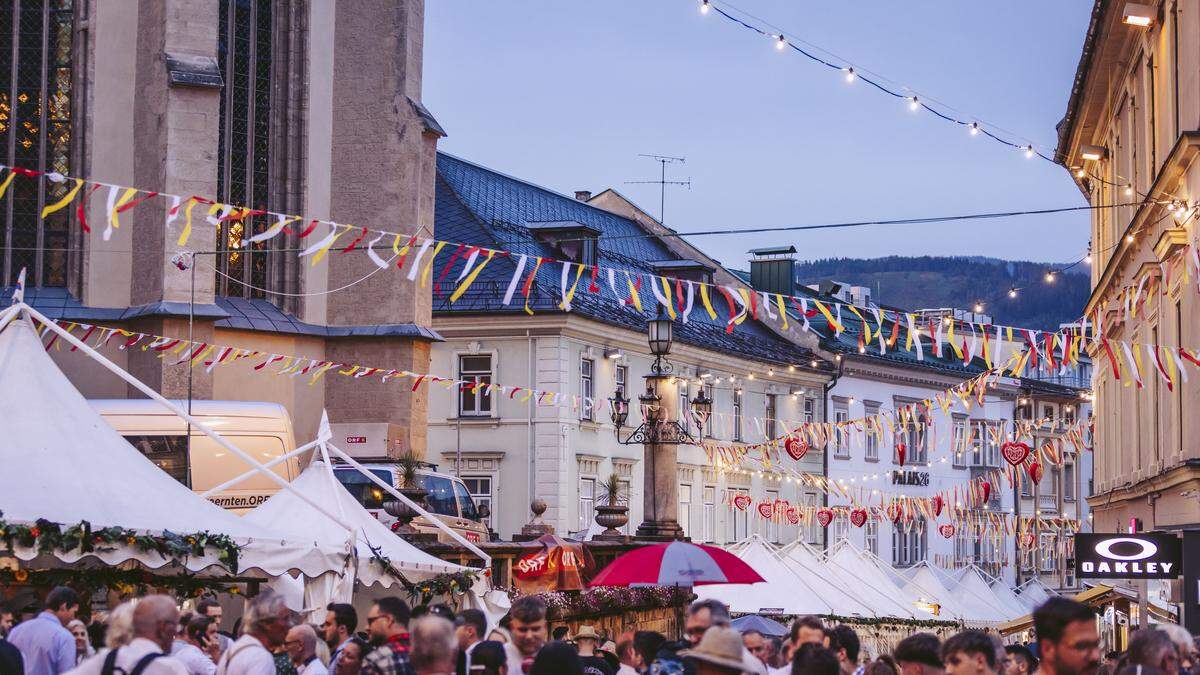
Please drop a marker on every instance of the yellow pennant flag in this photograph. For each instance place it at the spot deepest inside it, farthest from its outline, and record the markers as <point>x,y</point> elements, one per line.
<point>58,205</point>
<point>466,283</point>
<point>187,222</point>
<point>712,314</point>
<point>429,265</point>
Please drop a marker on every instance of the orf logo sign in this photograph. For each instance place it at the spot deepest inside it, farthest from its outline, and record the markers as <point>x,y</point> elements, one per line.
<point>1149,555</point>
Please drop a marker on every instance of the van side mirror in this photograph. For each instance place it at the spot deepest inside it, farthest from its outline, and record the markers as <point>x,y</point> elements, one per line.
<point>484,511</point>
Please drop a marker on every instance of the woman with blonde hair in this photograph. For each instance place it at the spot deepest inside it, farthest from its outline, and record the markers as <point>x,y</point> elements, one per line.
<point>83,647</point>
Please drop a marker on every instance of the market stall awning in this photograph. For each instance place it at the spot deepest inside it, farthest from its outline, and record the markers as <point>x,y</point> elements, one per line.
<point>855,570</point>
<point>784,592</point>
<point>64,464</point>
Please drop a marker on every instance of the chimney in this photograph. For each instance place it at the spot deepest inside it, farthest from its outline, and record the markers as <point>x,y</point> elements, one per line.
<point>774,269</point>
<point>583,195</point>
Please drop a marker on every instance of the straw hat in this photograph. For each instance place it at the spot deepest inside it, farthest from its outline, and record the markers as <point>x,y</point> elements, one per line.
<point>586,633</point>
<point>720,646</point>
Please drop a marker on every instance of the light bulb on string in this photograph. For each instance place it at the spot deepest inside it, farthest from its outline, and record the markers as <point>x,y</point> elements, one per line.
<point>913,103</point>
<point>1129,238</point>
<point>781,42</point>
<point>978,307</point>
<point>849,74</point>
<point>974,127</point>
<point>1049,277</point>
<point>1128,189</point>
<point>1080,173</point>
<point>1012,292</point>
<point>704,6</point>
<point>1029,152</point>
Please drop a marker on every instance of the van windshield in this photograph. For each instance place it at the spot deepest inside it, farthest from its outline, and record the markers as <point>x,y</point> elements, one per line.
<point>465,502</point>
<point>441,495</point>
<point>367,493</point>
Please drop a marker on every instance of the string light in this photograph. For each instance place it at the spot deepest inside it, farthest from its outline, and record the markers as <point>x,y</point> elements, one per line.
<point>1049,276</point>
<point>781,42</point>
<point>1012,292</point>
<point>704,6</point>
<point>978,307</point>
<point>913,103</point>
<point>849,74</point>
<point>1029,152</point>
<point>1128,189</point>
<point>1129,238</point>
<point>1080,173</point>
<point>974,127</point>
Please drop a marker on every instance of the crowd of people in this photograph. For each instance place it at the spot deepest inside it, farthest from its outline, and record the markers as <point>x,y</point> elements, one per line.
<point>150,636</point>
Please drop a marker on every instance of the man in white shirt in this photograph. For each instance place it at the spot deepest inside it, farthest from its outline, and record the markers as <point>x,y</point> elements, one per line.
<point>340,623</point>
<point>301,645</point>
<point>529,632</point>
<point>155,623</point>
<point>629,658</point>
<point>267,623</point>
<point>469,628</point>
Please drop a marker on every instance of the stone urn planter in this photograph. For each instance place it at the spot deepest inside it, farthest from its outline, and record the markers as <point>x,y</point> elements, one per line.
<point>402,512</point>
<point>613,513</point>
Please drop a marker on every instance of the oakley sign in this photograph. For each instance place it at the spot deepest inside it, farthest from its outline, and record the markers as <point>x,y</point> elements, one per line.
<point>1149,555</point>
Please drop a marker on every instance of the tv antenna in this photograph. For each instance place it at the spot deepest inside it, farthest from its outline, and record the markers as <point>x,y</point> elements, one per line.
<point>662,182</point>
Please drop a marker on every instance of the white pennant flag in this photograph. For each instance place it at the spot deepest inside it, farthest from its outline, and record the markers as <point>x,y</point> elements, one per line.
<point>375,257</point>
<point>516,278</point>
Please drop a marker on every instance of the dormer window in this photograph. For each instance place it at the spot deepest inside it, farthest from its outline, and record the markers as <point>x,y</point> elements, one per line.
<point>571,239</point>
<point>685,270</point>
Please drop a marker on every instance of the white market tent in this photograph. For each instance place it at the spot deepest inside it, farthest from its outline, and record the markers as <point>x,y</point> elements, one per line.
<point>374,542</point>
<point>924,584</point>
<point>1034,593</point>
<point>972,585</point>
<point>784,592</point>
<point>805,562</point>
<point>855,570</point>
<point>64,463</point>
<point>1006,595</point>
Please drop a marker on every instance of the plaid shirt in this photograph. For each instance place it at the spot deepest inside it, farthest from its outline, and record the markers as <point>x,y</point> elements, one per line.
<point>391,658</point>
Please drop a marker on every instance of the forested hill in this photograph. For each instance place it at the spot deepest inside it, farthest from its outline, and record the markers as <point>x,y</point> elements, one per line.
<point>928,282</point>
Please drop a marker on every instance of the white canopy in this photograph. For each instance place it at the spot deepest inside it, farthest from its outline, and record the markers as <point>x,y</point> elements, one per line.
<point>783,593</point>
<point>64,463</point>
<point>855,570</point>
<point>286,513</point>
<point>1006,595</point>
<point>1034,593</point>
<point>973,586</point>
<point>805,562</point>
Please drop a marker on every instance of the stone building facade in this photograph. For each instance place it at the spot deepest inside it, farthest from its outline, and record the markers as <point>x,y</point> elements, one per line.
<point>1129,140</point>
<point>307,107</point>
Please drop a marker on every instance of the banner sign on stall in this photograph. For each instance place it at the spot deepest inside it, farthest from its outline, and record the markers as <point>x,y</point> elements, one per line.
<point>1145,555</point>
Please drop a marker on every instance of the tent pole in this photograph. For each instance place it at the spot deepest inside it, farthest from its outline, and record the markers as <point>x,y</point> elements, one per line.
<point>487,559</point>
<point>142,387</point>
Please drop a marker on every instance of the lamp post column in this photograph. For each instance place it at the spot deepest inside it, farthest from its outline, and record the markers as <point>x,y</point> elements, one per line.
<point>660,465</point>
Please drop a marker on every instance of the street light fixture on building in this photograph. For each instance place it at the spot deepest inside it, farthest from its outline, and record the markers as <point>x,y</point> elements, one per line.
<point>1137,14</point>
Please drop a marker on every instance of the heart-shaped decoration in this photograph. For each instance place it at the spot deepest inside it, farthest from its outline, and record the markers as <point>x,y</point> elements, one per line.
<point>938,505</point>
<point>825,517</point>
<point>766,509</point>
<point>895,512</point>
<point>793,515</point>
<point>741,501</point>
<point>1014,452</point>
<point>985,491</point>
<point>796,447</point>
<point>858,517</point>
<point>1035,472</point>
<point>901,451</point>
<point>946,530</point>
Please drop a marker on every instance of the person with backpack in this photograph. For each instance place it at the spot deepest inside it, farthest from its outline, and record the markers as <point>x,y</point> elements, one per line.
<point>155,624</point>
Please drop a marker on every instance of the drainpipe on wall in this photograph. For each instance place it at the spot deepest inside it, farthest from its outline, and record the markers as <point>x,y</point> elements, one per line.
<point>529,425</point>
<point>825,455</point>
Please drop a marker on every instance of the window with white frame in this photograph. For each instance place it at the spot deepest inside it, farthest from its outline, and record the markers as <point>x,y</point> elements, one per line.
<point>685,508</point>
<point>737,415</point>
<point>958,442</point>
<point>839,528</point>
<point>480,488</point>
<point>710,512</point>
<point>587,502</point>
<point>1068,481</point>
<point>1026,484</point>
<point>772,528</point>
<point>769,422</point>
<point>685,407</point>
<point>739,520</point>
<point>475,398</point>
<point>870,438</point>
<point>587,389</point>
<point>985,452</point>
<point>621,375</point>
<point>1049,485</point>
<point>812,533</point>
<point>1048,553</point>
<point>915,438</point>
<point>841,449</point>
<point>964,545</point>
<point>871,534</point>
<point>810,409</point>
<point>908,543</point>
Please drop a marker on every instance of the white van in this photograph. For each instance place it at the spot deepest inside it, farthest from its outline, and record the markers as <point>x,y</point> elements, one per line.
<point>263,430</point>
<point>448,498</point>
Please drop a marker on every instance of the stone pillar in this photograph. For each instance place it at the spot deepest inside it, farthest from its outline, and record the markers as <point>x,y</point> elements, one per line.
<point>381,175</point>
<point>660,466</point>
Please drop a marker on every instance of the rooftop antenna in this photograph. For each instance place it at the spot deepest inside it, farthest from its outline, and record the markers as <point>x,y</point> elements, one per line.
<point>662,182</point>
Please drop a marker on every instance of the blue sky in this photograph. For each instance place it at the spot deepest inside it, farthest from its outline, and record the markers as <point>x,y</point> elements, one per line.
<point>566,94</point>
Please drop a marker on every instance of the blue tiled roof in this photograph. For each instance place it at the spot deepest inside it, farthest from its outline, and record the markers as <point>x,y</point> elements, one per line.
<point>238,313</point>
<point>481,207</point>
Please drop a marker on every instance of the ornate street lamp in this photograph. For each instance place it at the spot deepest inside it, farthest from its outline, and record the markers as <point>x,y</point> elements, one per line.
<point>660,334</point>
<point>620,409</point>
<point>701,409</point>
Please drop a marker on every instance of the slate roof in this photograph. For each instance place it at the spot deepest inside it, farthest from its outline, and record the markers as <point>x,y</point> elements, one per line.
<point>481,207</point>
<point>238,313</point>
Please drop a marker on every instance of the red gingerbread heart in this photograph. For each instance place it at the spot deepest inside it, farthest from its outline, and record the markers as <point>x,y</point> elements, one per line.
<point>858,517</point>
<point>985,490</point>
<point>901,451</point>
<point>825,517</point>
<point>1035,472</point>
<point>742,501</point>
<point>793,515</point>
<point>796,447</point>
<point>938,505</point>
<point>1014,452</point>
<point>946,530</point>
<point>766,509</point>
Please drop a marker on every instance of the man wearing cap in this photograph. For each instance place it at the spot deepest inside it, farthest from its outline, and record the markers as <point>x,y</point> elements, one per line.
<point>720,652</point>
<point>593,664</point>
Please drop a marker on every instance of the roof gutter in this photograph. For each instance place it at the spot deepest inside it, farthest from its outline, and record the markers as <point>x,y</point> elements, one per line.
<point>1066,126</point>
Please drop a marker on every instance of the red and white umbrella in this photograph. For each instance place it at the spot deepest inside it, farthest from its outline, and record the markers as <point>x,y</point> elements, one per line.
<point>676,563</point>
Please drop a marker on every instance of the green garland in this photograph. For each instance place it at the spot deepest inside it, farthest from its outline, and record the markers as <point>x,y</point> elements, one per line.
<point>123,581</point>
<point>891,621</point>
<point>49,537</point>
<point>422,592</point>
